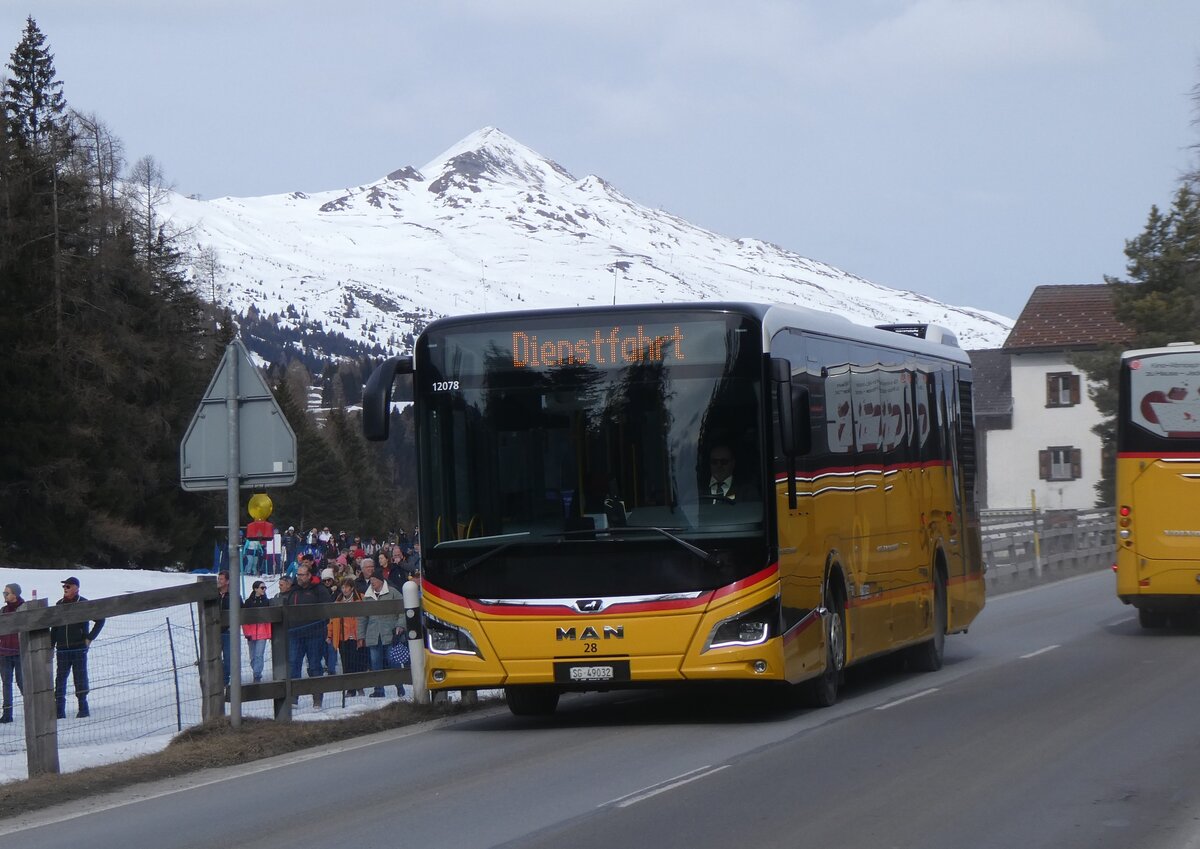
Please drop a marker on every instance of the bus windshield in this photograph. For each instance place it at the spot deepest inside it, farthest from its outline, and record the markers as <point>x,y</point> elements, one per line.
<point>538,429</point>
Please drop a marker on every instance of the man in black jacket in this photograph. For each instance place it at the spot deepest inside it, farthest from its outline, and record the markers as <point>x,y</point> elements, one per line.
<point>71,643</point>
<point>307,640</point>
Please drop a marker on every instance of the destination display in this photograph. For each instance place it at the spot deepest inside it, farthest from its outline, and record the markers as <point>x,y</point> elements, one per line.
<point>607,345</point>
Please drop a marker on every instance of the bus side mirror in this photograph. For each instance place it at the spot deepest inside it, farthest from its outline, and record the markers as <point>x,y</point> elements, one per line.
<point>377,396</point>
<point>795,430</point>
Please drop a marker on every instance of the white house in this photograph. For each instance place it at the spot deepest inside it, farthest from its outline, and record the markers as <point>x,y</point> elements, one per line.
<point>1033,415</point>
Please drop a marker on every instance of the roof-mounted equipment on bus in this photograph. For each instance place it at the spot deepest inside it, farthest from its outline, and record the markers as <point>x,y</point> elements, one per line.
<point>929,332</point>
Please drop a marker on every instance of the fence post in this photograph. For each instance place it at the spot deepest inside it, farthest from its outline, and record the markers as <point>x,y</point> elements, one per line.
<point>212,678</point>
<point>41,726</point>
<point>280,663</point>
<point>175,675</point>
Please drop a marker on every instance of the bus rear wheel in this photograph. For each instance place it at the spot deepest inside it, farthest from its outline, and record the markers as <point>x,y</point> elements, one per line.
<point>531,699</point>
<point>1148,617</point>
<point>823,691</point>
<point>928,656</point>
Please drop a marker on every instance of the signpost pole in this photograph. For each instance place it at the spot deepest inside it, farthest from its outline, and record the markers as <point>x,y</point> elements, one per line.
<point>212,457</point>
<point>232,484</point>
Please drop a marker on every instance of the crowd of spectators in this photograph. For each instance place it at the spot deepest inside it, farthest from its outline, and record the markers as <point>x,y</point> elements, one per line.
<point>321,567</point>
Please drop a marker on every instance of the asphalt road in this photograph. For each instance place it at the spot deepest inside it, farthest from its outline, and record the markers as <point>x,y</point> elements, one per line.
<point>1056,722</point>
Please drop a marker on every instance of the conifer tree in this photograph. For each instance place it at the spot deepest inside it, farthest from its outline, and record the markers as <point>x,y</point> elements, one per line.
<point>1159,302</point>
<point>108,346</point>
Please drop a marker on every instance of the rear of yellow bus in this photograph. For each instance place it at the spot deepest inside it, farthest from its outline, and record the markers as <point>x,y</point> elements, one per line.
<point>1158,483</point>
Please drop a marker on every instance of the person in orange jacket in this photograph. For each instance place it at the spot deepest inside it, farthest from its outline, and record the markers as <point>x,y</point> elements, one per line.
<point>343,633</point>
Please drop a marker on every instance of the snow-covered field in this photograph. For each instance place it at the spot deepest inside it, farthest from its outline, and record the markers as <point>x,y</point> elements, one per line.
<point>144,678</point>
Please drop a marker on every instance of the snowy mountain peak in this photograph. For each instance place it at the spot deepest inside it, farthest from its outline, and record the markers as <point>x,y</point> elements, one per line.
<point>492,225</point>
<point>488,155</point>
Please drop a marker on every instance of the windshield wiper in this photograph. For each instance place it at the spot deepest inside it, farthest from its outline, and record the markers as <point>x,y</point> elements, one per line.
<point>631,529</point>
<point>509,540</point>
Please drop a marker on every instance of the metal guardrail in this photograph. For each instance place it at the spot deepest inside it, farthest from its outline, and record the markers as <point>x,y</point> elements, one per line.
<point>1025,547</point>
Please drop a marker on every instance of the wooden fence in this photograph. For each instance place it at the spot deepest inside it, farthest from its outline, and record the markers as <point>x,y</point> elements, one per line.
<point>1023,547</point>
<point>34,621</point>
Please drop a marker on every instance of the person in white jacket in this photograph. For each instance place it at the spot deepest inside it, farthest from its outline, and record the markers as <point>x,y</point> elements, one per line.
<point>376,633</point>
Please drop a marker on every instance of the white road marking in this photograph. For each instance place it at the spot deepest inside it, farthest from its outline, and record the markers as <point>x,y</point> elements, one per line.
<point>1039,651</point>
<point>662,787</point>
<point>1115,622</point>
<point>890,705</point>
<point>184,783</point>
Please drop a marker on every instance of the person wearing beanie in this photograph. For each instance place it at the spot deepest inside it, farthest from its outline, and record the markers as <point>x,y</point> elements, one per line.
<point>10,653</point>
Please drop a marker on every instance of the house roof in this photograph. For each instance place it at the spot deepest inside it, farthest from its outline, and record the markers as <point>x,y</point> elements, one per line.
<point>993,382</point>
<point>1058,317</point>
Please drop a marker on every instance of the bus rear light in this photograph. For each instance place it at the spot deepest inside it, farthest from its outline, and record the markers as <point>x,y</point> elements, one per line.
<point>1125,511</point>
<point>1114,567</point>
<point>1125,533</point>
<point>1144,582</point>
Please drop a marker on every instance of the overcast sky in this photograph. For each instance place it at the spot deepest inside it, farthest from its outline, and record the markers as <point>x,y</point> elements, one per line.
<point>965,149</point>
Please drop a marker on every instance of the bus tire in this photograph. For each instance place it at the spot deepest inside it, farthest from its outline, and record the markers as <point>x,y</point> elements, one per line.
<point>1150,618</point>
<point>531,699</point>
<point>928,656</point>
<point>823,690</point>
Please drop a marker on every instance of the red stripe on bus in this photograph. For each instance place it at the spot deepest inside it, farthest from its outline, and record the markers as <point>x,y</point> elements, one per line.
<point>749,581</point>
<point>877,468</point>
<point>1158,455</point>
<point>700,601</point>
<point>809,619</point>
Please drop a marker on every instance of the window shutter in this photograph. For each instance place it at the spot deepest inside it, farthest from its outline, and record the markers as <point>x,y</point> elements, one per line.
<point>1074,389</point>
<point>1076,463</point>
<point>1051,395</point>
<point>1044,464</point>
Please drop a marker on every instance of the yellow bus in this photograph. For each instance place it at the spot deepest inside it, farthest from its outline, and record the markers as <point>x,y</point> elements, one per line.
<point>1158,482</point>
<point>581,531</point>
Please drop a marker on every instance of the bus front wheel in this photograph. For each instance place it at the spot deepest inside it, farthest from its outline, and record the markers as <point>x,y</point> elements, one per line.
<point>531,699</point>
<point>823,691</point>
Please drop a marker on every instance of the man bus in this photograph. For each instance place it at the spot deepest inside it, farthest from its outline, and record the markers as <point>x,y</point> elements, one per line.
<point>573,539</point>
<point>1158,482</point>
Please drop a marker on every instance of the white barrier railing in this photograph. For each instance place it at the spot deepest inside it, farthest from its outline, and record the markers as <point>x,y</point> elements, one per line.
<point>1024,546</point>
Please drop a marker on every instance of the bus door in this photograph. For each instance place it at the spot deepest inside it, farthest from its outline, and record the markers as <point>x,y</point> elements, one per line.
<point>902,495</point>
<point>875,553</point>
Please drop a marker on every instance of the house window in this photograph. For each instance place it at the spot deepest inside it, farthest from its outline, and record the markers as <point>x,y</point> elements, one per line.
<point>1062,389</point>
<point>1060,463</point>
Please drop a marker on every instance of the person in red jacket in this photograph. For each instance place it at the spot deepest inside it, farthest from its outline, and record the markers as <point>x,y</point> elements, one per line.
<point>257,634</point>
<point>10,653</point>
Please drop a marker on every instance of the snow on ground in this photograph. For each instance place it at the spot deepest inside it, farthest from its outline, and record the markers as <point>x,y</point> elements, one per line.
<point>144,676</point>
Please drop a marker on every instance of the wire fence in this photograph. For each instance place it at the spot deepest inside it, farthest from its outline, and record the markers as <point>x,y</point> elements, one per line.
<point>144,687</point>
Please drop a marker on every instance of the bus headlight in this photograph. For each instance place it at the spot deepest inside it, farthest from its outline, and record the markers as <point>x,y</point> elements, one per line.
<point>750,628</point>
<point>443,638</point>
